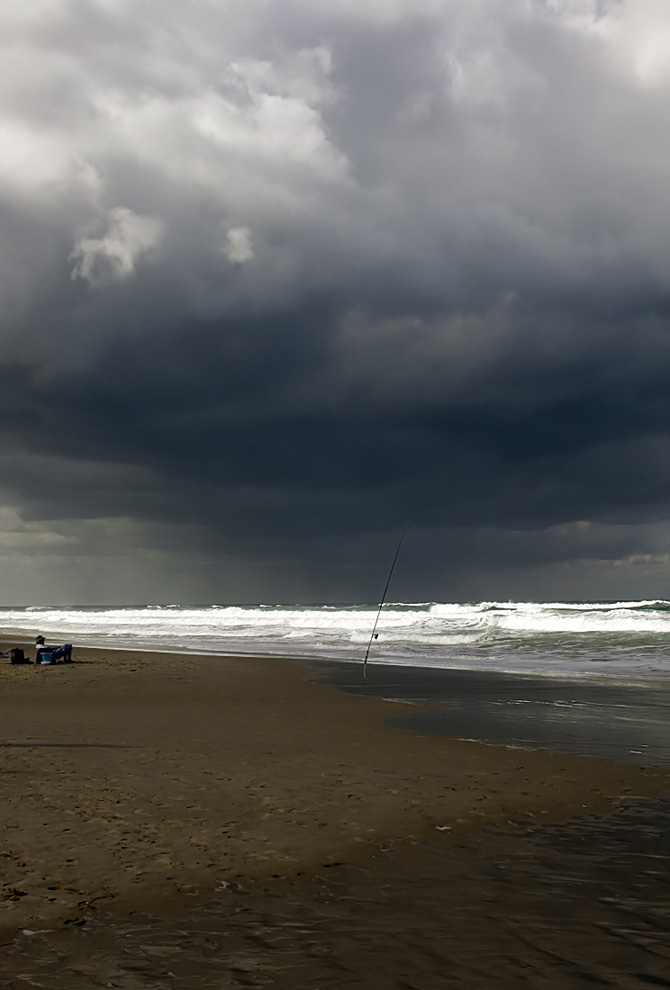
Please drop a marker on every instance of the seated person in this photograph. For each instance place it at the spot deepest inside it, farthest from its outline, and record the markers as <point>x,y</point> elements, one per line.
<point>57,652</point>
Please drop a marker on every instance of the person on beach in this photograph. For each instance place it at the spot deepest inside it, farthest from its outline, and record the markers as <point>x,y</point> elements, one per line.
<point>63,652</point>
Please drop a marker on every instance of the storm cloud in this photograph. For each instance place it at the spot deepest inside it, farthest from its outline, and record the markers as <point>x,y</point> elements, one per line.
<point>277,277</point>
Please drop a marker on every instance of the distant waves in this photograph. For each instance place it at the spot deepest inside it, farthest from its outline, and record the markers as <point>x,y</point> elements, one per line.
<point>624,638</point>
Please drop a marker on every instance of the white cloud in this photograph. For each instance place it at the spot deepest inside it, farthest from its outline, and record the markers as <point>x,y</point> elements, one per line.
<point>113,257</point>
<point>239,247</point>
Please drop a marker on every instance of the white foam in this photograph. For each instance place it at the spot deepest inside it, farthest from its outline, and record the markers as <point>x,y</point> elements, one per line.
<point>627,638</point>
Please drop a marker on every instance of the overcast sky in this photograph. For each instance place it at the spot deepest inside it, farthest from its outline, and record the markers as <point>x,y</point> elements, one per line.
<point>277,276</point>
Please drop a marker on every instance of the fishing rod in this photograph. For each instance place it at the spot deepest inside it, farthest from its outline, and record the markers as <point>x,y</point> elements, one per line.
<point>381,605</point>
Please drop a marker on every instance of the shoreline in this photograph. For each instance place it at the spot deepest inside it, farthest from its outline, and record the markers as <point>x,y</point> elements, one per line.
<point>597,677</point>
<point>617,719</point>
<point>131,782</point>
<point>387,663</point>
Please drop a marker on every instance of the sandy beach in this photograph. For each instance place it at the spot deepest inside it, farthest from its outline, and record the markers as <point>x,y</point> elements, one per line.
<point>133,780</point>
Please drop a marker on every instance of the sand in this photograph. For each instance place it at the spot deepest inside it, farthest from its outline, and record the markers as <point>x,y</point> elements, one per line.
<point>130,781</point>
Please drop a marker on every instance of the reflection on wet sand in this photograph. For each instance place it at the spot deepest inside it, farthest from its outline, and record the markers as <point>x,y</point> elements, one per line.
<point>627,720</point>
<point>521,905</point>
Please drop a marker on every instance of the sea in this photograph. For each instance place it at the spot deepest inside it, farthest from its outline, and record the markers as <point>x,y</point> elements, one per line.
<point>627,639</point>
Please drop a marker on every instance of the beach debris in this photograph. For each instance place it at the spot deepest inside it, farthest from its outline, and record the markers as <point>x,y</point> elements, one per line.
<point>443,828</point>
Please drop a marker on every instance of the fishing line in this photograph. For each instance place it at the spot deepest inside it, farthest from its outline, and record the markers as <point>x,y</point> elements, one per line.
<point>381,604</point>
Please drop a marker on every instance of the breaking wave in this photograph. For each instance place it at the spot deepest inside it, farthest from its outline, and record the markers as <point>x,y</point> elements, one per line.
<point>615,637</point>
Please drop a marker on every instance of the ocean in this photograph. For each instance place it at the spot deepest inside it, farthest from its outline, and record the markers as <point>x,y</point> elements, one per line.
<point>627,639</point>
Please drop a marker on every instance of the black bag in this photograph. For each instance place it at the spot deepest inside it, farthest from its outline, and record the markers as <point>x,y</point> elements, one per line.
<point>17,655</point>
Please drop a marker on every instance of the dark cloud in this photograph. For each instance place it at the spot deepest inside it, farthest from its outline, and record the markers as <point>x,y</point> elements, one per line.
<point>276,278</point>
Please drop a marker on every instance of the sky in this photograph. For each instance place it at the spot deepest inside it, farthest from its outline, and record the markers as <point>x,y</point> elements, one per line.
<point>281,277</point>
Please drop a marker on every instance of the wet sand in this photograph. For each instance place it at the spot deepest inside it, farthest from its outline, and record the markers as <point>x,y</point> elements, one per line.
<point>152,788</point>
<point>521,906</point>
<point>618,718</point>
